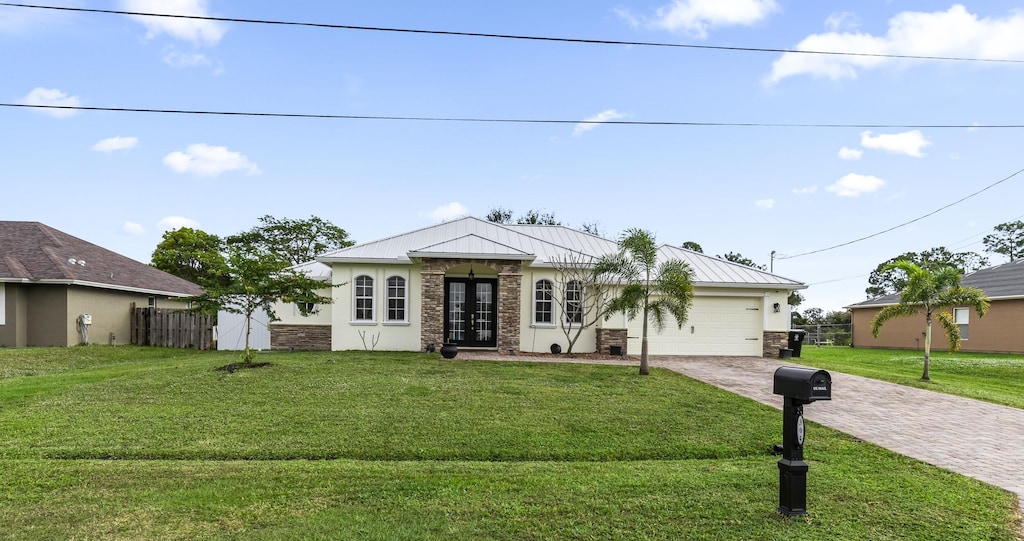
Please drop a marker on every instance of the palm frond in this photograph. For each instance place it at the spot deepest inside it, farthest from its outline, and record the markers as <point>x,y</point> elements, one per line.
<point>890,312</point>
<point>952,330</point>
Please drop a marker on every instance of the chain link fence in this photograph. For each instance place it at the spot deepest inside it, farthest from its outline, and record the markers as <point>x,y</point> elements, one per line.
<point>827,335</point>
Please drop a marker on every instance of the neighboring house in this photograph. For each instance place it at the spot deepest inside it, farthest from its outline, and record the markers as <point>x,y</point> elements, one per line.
<point>485,285</point>
<point>1001,330</point>
<point>48,279</point>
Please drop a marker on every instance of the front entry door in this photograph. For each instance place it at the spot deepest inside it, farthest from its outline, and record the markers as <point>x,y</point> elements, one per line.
<point>470,315</point>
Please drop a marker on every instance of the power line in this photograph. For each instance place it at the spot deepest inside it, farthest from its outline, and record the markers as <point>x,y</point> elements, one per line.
<point>514,36</point>
<point>904,224</point>
<point>509,120</point>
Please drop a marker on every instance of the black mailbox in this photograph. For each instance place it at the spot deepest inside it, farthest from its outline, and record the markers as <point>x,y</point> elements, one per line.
<point>806,384</point>
<point>799,386</point>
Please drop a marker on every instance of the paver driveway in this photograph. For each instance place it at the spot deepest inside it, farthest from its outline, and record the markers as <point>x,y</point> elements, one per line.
<point>977,439</point>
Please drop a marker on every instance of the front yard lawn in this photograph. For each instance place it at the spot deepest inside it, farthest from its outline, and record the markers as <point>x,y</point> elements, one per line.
<point>993,377</point>
<point>133,443</point>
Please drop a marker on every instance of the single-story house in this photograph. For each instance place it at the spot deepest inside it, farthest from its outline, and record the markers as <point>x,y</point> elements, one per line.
<point>48,279</point>
<point>480,284</point>
<point>1001,330</point>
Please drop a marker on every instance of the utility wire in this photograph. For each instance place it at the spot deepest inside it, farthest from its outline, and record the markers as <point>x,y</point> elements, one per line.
<point>514,36</point>
<point>904,224</point>
<point>510,120</point>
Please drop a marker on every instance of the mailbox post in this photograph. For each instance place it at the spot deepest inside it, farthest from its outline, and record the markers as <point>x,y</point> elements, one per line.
<point>799,386</point>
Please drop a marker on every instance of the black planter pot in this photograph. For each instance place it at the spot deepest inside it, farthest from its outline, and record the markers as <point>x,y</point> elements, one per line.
<point>556,349</point>
<point>449,351</point>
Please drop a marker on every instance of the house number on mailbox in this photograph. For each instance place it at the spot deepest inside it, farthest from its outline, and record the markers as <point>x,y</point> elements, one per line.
<point>800,430</point>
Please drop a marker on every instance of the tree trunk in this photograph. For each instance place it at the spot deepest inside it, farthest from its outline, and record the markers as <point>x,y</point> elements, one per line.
<point>644,370</point>
<point>248,331</point>
<point>927,344</point>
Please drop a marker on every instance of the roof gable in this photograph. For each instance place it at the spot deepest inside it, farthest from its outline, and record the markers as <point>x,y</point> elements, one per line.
<point>34,252</point>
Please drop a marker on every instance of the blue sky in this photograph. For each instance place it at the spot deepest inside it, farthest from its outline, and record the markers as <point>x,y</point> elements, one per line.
<point>120,179</point>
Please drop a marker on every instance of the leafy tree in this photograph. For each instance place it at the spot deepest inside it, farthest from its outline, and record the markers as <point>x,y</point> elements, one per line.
<point>533,217</point>
<point>594,228</point>
<point>693,246</point>
<point>651,289</point>
<point>256,280</point>
<point>930,289</point>
<point>499,215</point>
<point>1008,240</point>
<point>297,241</point>
<point>887,282</point>
<point>193,255</point>
<point>738,258</point>
<point>795,299</point>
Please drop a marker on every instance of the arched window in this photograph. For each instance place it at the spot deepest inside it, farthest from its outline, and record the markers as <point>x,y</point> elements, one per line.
<point>397,299</point>
<point>543,302</point>
<point>574,302</point>
<point>363,298</point>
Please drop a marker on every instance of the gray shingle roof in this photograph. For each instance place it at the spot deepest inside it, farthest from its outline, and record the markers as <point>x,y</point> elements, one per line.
<point>33,252</point>
<point>539,244</point>
<point>1002,281</point>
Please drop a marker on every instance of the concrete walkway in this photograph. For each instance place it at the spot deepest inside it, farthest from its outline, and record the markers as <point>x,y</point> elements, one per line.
<point>977,439</point>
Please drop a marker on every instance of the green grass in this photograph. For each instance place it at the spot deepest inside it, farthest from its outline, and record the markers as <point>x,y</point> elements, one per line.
<point>993,377</point>
<point>133,443</point>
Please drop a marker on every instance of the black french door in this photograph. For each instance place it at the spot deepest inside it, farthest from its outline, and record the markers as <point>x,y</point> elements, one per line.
<point>470,312</point>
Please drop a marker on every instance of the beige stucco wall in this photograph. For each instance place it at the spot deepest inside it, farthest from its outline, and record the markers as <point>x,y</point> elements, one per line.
<point>14,331</point>
<point>1001,330</point>
<point>39,315</point>
<point>288,313</point>
<point>111,313</point>
<point>539,337</point>
<point>345,333</point>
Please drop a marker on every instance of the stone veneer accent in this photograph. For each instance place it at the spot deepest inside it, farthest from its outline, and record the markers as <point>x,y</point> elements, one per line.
<point>302,337</point>
<point>773,342</point>
<point>606,338</point>
<point>432,272</point>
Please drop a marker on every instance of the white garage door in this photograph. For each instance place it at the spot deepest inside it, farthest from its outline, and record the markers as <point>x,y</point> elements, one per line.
<point>716,326</point>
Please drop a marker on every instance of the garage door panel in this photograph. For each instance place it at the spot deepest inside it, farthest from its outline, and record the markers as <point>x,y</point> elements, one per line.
<point>715,326</point>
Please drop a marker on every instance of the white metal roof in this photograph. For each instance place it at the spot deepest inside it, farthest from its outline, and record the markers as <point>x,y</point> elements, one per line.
<point>471,237</point>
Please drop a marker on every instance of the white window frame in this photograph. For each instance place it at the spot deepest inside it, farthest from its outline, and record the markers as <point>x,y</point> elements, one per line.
<point>3,304</point>
<point>550,301</point>
<point>388,298</point>
<point>297,310</point>
<point>962,319</point>
<point>356,297</point>
<point>580,302</point>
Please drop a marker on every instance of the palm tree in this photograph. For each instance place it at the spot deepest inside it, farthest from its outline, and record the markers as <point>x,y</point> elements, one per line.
<point>655,290</point>
<point>930,290</point>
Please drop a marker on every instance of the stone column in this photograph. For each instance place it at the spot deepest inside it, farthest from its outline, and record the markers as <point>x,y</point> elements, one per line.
<point>432,303</point>
<point>510,283</point>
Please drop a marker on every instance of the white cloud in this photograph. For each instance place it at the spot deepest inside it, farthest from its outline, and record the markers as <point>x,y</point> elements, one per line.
<point>695,17</point>
<point>209,161</point>
<point>197,32</point>
<point>52,96</point>
<point>115,143</point>
<point>170,223</point>
<point>853,185</point>
<point>909,143</point>
<point>592,122</point>
<point>178,59</point>
<point>850,153</point>
<point>764,203</point>
<point>806,190</point>
<point>133,228</point>
<point>954,32</point>
<point>448,212</point>
<point>842,20</point>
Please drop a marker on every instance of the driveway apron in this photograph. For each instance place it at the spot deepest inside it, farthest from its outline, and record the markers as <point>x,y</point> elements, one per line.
<point>973,438</point>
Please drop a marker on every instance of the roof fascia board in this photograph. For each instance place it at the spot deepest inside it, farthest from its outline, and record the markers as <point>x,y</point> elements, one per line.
<point>98,285</point>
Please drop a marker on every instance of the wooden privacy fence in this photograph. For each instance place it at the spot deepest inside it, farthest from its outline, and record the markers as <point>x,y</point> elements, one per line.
<point>169,328</point>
